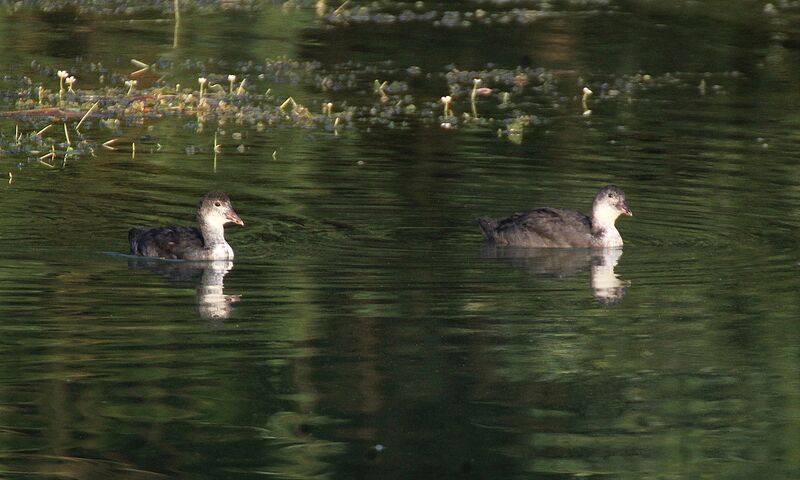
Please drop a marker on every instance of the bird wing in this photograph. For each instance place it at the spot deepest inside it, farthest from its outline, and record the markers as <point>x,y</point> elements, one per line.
<point>545,227</point>
<point>167,242</point>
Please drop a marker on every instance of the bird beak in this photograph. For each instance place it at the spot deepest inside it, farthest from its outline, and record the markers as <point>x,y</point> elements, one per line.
<point>233,217</point>
<point>623,207</point>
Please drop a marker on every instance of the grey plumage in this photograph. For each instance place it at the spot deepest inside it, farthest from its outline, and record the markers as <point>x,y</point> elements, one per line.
<point>560,228</point>
<point>166,242</point>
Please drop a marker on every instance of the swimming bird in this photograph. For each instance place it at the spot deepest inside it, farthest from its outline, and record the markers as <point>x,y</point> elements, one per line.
<point>559,228</point>
<point>189,243</point>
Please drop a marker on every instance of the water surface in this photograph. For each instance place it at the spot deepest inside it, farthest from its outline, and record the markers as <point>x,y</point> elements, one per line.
<point>363,331</point>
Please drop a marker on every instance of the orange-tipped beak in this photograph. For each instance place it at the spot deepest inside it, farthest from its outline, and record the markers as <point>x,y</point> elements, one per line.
<point>233,217</point>
<point>623,207</point>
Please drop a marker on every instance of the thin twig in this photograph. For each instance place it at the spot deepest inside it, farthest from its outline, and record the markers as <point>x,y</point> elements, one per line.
<point>336,12</point>
<point>288,101</point>
<point>40,132</point>
<point>91,109</point>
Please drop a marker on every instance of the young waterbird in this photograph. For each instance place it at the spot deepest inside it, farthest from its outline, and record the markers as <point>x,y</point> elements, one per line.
<point>558,228</point>
<point>190,243</point>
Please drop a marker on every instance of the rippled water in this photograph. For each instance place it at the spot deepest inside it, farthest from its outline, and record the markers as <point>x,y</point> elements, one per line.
<point>363,331</point>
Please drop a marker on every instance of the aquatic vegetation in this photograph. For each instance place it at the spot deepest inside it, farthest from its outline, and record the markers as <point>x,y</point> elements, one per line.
<point>202,81</point>
<point>379,88</point>
<point>454,14</point>
<point>446,100</point>
<point>62,75</point>
<point>277,92</point>
<point>130,84</point>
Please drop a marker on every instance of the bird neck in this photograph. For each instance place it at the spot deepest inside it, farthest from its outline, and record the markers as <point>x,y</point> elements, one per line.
<point>604,232</point>
<point>603,218</point>
<point>213,233</point>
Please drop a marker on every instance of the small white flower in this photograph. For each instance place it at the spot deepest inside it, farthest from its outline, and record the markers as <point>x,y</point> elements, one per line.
<point>63,74</point>
<point>586,91</point>
<point>202,80</point>
<point>130,84</point>
<point>231,78</point>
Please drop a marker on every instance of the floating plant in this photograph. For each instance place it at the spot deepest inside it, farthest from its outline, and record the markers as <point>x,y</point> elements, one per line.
<point>401,98</point>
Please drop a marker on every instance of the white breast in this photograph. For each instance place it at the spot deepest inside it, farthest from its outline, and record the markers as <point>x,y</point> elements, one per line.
<point>221,251</point>
<point>609,238</point>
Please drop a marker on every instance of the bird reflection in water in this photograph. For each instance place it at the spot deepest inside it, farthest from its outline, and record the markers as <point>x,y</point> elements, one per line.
<point>212,303</point>
<point>559,263</point>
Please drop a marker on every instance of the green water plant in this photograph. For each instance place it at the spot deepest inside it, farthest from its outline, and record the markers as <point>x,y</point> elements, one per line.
<point>217,151</point>
<point>516,128</point>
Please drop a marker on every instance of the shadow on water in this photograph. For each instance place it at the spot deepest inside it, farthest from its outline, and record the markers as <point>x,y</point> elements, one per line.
<point>560,263</point>
<point>212,303</point>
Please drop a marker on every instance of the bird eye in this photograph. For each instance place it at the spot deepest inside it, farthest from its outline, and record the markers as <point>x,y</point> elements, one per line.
<point>610,195</point>
<point>217,204</point>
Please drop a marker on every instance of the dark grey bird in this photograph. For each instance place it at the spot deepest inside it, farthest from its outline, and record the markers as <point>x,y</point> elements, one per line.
<point>559,228</point>
<point>190,243</point>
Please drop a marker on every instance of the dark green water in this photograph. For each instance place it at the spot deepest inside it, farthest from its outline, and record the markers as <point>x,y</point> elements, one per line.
<point>366,333</point>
